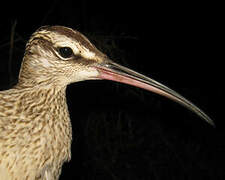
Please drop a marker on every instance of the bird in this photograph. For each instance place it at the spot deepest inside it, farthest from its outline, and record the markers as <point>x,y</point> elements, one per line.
<point>35,127</point>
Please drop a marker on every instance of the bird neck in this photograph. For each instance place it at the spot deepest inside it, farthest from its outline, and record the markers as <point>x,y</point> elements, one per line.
<point>44,110</point>
<point>34,75</point>
<point>39,83</point>
<point>40,99</point>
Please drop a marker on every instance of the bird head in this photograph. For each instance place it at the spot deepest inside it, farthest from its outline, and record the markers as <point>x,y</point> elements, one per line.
<point>59,56</point>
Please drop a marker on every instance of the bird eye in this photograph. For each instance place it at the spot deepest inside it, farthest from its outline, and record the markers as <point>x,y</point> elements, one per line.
<point>65,52</point>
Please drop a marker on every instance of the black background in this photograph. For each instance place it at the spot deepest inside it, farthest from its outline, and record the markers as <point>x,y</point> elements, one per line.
<point>121,132</point>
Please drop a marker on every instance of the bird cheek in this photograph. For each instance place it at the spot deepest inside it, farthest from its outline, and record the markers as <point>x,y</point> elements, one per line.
<point>45,62</point>
<point>86,74</point>
<point>89,73</point>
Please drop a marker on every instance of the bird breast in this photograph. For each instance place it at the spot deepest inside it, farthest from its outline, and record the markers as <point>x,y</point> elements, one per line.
<point>35,132</point>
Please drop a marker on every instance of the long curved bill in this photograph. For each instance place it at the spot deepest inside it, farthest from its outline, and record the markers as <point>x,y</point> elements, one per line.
<point>112,71</point>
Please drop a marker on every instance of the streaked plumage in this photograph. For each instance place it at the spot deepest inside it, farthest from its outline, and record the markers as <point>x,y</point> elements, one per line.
<point>35,128</point>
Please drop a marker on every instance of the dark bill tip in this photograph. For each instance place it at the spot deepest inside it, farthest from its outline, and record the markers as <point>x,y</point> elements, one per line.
<point>115,72</point>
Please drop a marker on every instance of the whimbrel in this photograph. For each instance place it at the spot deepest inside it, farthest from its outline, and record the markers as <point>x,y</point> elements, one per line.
<point>35,128</point>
